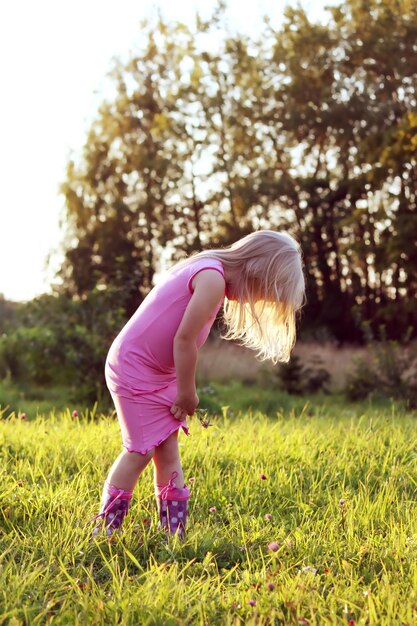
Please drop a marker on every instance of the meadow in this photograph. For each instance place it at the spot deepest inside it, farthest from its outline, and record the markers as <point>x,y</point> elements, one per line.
<point>301,513</point>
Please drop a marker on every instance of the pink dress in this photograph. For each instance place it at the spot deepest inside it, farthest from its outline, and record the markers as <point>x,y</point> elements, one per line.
<point>140,370</point>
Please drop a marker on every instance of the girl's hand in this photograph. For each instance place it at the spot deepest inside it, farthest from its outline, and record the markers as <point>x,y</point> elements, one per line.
<point>184,404</point>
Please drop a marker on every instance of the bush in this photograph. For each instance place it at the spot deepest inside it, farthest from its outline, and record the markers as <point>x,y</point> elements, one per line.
<point>59,341</point>
<point>389,371</point>
<point>297,379</point>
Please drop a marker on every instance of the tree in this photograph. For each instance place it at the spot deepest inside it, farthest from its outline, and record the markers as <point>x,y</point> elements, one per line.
<point>310,128</point>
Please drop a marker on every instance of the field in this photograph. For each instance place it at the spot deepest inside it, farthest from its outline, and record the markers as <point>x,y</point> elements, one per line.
<point>332,485</point>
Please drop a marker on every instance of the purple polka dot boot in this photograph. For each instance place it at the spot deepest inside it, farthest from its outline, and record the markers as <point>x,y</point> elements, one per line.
<point>173,507</point>
<point>114,507</point>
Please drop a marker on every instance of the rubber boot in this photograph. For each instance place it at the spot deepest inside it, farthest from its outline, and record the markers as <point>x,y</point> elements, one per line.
<point>114,507</point>
<point>173,507</point>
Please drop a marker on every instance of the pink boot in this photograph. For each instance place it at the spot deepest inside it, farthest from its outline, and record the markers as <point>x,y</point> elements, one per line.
<point>114,507</point>
<point>173,507</point>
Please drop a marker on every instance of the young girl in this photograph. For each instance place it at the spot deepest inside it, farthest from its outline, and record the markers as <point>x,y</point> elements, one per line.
<point>151,365</point>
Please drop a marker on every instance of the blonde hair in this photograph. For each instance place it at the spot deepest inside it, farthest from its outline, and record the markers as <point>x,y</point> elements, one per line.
<point>268,289</point>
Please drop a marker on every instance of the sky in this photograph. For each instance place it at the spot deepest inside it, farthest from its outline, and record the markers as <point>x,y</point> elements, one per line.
<point>54,58</point>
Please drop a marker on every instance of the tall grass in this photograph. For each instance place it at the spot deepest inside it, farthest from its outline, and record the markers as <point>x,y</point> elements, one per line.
<point>339,485</point>
<point>226,361</point>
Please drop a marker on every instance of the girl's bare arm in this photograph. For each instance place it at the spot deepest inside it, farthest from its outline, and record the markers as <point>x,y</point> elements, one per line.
<point>208,291</point>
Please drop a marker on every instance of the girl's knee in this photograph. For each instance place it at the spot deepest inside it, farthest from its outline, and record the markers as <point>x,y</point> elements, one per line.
<point>138,459</point>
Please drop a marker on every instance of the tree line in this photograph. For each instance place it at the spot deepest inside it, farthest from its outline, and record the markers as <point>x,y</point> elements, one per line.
<point>209,134</point>
<point>312,129</point>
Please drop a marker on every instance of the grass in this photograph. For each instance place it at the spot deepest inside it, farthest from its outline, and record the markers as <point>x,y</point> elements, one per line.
<point>32,400</point>
<point>340,486</point>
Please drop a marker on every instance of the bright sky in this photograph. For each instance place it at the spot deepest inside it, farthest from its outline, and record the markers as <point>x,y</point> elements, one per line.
<point>54,57</point>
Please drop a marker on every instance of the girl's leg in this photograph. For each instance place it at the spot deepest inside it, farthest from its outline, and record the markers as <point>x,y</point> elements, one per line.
<point>118,488</point>
<point>171,493</point>
<point>127,468</point>
<point>166,460</point>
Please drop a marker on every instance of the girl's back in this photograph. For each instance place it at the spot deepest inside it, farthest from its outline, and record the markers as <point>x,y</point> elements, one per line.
<point>141,357</point>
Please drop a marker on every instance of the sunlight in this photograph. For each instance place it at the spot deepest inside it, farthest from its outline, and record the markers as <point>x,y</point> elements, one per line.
<point>57,60</point>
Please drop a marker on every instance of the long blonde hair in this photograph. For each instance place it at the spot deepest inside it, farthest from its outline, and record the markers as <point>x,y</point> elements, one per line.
<point>268,289</point>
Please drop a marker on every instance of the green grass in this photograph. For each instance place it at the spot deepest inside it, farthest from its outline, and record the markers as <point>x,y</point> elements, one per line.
<point>335,563</point>
<point>32,400</point>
